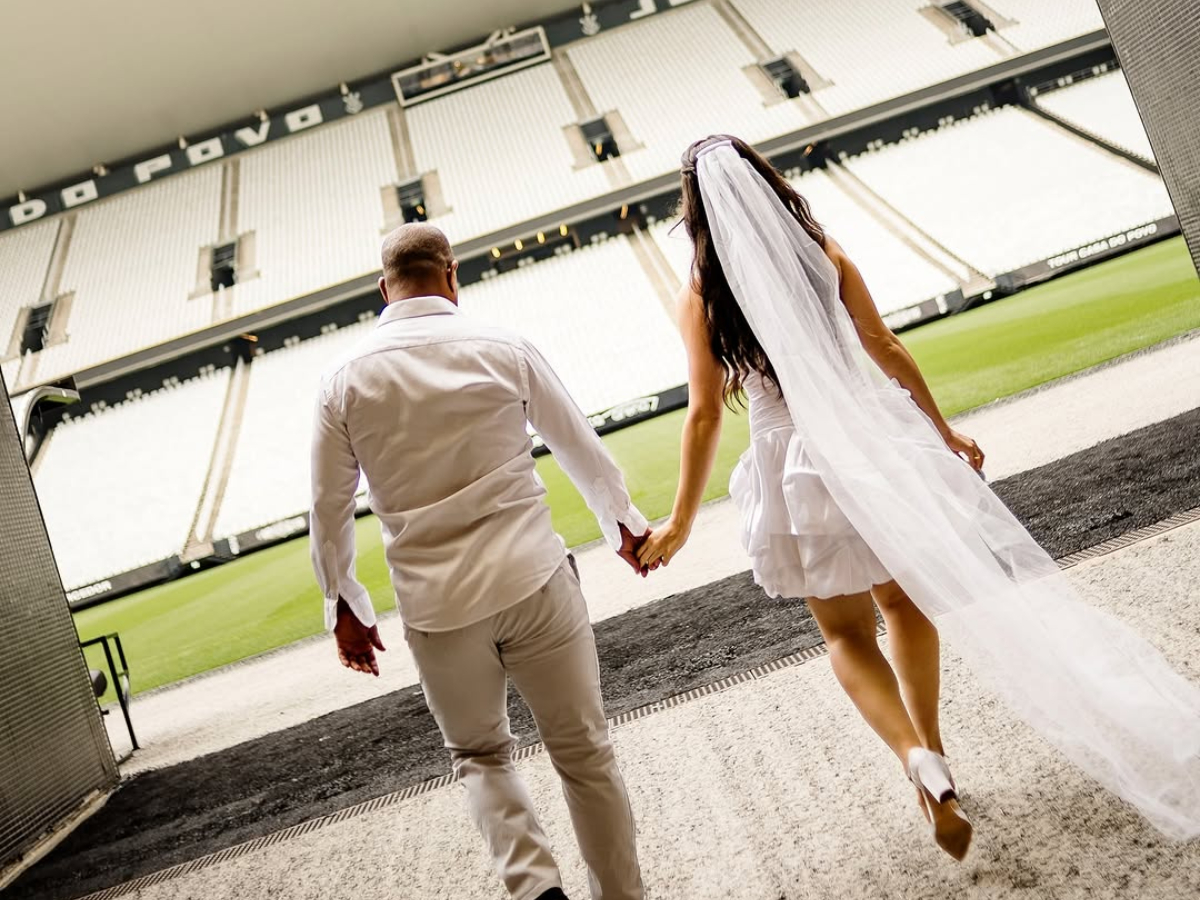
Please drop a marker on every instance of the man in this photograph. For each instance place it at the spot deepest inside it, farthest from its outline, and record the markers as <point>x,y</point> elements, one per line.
<point>433,409</point>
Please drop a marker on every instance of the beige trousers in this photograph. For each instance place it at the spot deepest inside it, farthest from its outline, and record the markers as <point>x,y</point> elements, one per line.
<point>545,644</point>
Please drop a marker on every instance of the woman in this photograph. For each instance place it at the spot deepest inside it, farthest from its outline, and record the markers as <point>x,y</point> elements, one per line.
<point>857,493</point>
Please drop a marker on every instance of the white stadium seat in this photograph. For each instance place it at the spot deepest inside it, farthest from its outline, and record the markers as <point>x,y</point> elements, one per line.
<point>119,487</point>
<point>269,476</point>
<point>896,275</point>
<point>672,239</point>
<point>1103,106</point>
<point>313,202</point>
<point>872,50</point>
<point>674,78</point>
<point>1006,189</point>
<point>594,315</point>
<point>500,152</point>
<point>132,264</point>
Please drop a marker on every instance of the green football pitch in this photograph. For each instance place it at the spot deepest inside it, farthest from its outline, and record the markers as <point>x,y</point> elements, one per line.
<point>269,599</point>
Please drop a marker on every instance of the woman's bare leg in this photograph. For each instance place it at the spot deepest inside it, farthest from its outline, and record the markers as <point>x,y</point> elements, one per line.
<point>917,658</point>
<point>848,625</point>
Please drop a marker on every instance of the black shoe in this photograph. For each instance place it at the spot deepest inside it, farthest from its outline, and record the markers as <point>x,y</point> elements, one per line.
<point>553,894</point>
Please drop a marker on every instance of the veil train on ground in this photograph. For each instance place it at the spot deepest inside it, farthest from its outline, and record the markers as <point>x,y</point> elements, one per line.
<point>1080,677</point>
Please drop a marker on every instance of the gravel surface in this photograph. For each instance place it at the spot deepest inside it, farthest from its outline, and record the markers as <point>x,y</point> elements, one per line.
<point>776,790</point>
<point>170,815</point>
<point>301,682</point>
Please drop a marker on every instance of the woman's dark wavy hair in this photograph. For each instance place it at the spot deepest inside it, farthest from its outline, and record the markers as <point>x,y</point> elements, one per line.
<point>730,337</point>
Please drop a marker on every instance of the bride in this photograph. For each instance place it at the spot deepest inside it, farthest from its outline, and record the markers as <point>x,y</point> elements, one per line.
<point>857,493</point>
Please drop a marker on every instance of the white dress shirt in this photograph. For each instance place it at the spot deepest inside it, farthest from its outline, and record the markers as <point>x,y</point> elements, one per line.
<point>433,409</point>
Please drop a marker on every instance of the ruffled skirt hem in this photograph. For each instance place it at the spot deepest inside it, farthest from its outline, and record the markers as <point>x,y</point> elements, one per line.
<point>799,541</point>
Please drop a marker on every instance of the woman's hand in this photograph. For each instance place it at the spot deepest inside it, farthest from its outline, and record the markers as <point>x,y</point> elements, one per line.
<point>662,545</point>
<point>965,447</point>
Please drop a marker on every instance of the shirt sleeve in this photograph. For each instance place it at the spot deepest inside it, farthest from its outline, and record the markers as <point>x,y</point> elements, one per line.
<point>335,475</point>
<point>578,449</point>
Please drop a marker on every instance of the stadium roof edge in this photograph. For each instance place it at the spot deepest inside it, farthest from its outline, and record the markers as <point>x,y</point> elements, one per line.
<point>98,87</point>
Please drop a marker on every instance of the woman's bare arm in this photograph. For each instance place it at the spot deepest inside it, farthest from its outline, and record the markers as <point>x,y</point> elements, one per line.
<point>890,354</point>
<point>701,432</point>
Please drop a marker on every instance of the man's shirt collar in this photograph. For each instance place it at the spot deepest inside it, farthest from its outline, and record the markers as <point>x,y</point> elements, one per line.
<point>415,307</point>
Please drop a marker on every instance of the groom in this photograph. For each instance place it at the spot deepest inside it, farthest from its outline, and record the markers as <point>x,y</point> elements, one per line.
<point>432,408</point>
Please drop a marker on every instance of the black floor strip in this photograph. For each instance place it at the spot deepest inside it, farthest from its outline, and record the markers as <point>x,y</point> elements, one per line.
<point>685,642</point>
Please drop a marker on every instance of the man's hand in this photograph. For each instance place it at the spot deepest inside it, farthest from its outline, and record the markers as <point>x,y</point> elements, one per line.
<point>356,644</point>
<point>630,545</point>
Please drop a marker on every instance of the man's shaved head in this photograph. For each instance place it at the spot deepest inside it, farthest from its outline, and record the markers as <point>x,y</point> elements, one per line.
<point>417,261</point>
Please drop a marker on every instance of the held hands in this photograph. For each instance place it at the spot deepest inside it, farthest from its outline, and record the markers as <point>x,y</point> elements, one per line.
<point>356,644</point>
<point>662,545</point>
<point>630,544</point>
<point>964,447</point>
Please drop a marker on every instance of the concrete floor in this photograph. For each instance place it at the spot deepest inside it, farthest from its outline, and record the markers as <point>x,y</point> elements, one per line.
<point>298,683</point>
<point>776,789</point>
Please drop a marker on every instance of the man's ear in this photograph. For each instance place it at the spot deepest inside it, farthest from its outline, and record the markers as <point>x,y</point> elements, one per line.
<point>383,289</point>
<point>453,277</point>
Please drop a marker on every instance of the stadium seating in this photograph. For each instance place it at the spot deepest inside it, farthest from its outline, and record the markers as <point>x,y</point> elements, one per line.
<point>896,275</point>
<point>314,204</point>
<point>269,475</point>
<point>576,307</point>
<point>871,50</point>
<point>594,315</point>
<point>132,264</point>
<point>1000,190</point>
<point>671,238</point>
<point>1005,189</point>
<point>1103,106</point>
<point>500,152</point>
<point>693,61</point>
<point>1041,24</point>
<point>24,258</point>
<point>119,486</point>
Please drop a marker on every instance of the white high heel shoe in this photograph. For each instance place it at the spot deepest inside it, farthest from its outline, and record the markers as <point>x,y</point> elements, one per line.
<point>950,826</point>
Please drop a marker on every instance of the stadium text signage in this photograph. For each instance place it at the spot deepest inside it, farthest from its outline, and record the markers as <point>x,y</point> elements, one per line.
<point>1089,253</point>
<point>1117,241</point>
<point>87,188</point>
<point>170,161</point>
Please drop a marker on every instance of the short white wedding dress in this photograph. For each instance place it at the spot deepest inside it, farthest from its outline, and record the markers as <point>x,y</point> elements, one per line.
<point>799,541</point>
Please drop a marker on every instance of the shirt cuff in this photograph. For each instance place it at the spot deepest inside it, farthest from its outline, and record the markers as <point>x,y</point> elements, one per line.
<point>359,602</point>
<point>631,517</point>
<point>613,508</point>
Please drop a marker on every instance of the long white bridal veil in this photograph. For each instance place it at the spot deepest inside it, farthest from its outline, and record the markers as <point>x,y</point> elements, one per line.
<point>1078,676</point>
